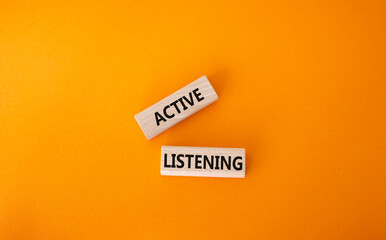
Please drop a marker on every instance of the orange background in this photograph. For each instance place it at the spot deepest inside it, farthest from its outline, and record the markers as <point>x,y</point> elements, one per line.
<point>301,86</point>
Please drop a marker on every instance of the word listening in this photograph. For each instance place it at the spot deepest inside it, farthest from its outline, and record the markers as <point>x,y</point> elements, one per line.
<point>204,162</point>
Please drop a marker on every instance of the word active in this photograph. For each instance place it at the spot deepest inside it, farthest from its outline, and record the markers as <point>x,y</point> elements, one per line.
<point>176,107</point>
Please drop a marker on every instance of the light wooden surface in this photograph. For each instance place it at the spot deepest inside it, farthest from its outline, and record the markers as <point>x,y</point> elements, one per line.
<point>176,107</point>
<point>203,161</point>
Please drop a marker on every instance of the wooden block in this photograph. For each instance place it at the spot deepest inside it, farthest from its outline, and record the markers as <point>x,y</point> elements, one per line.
<point>203,161</point>
<point>176,107</point>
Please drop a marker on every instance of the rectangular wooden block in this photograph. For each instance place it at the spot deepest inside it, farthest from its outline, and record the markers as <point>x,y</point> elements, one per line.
<point>176,107</point>
<point>203,161</point>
